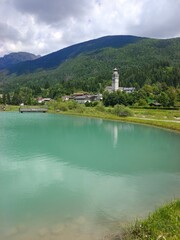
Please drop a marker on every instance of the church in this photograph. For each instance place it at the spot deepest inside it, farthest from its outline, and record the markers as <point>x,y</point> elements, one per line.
<point>115,84</point>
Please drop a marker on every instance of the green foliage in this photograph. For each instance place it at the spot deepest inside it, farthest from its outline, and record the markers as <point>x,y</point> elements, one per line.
<point>91,104</point>
<point>72,105</point>
<point>163,224</point>
<point>163,99</point>
<point>142,102</point>
<point>69,106</point>
<point>160,92</point>
<point>100,107</point>
<point>122,111</point>
<point>62,107</point>
<point>151,66</point>
<point>23,95</point>
<point>111,99</point>
<point>147,61</point>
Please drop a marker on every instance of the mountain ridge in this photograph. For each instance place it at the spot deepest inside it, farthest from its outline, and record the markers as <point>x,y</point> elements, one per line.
<point>56,58</point>
<point>145,61</point>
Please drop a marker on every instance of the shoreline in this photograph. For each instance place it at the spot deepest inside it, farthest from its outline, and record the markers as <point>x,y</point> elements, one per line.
<point>133,120</point>
<point>161,224</point>
<point>170,125</point>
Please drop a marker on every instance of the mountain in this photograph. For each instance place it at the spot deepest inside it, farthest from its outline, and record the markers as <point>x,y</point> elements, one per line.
<point>88,66</point>
<point>54,59</point>
<point>14,58</point>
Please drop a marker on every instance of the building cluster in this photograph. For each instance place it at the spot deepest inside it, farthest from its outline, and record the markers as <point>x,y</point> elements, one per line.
<point>83,97</point>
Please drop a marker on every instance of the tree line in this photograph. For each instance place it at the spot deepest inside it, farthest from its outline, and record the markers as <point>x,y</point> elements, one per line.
<point>166,96</point>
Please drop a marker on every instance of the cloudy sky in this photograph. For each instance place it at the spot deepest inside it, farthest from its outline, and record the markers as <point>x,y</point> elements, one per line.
<point>44,26</point>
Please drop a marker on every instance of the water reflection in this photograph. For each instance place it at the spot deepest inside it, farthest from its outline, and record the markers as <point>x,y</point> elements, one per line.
<point>115,133</point>
<point>86,189</point>
<point>93,145</point>
<point>62,175</point>
<point>115,129</point>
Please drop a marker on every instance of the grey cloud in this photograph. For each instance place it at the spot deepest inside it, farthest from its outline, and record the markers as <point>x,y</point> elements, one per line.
<point>159,19</point>
<point>43,26</point>
<point>53,11</point>
<point>7,32</point>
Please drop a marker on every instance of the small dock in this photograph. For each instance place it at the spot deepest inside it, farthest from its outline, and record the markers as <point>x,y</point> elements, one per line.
<point>32,110</point>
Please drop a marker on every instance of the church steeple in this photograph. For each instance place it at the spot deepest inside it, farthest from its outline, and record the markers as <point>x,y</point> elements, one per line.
<point>115,80</point>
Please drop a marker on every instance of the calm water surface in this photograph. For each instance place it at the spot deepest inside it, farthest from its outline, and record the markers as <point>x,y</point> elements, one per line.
<point>71,178</point>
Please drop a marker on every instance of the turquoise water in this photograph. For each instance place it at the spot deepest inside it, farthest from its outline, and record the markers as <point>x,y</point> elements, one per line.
<point>74,178</point>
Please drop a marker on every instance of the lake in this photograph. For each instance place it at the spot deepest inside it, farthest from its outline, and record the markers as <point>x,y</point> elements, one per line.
<point>69,178</point>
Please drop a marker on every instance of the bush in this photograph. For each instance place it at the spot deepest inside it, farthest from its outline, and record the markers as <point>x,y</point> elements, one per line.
<point>122,111</point>
<point>91,104</point>
<point>100,107</point>
<point>142,102</point>
<point>62,107</point>
<point>72,105</point>
<point>88,104</point>
<point>80,108</point>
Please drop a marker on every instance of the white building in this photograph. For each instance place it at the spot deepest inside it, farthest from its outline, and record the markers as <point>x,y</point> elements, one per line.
<point>115,84</point>
<point>43,100</point>
<point>115,80</point>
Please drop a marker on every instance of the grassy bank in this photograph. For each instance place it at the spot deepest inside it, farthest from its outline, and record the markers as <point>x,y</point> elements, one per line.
<point>169,119</point>
<point>172,125</point>
<point>163,224</point>
<point>9,108</point>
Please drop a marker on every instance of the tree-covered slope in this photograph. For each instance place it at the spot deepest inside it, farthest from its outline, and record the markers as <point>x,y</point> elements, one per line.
<point>144,61</point>
<point>54,59</point>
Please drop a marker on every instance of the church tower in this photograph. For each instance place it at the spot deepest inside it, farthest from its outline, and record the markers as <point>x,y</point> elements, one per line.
<point>115,80</point>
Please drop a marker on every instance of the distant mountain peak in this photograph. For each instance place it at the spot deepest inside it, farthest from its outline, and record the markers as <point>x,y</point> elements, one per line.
<point>15,57</point>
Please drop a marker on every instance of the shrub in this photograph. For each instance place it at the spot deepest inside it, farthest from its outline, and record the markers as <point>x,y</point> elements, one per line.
<point>100,107</point>
<point>88,104</point>
<point>62,107</point>
<point>80,108</point>
<point>72,105</point>
<point>142,102</point>
<point>122,111</point>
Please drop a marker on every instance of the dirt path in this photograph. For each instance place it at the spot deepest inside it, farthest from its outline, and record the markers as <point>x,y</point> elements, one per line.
<point>159,120</point>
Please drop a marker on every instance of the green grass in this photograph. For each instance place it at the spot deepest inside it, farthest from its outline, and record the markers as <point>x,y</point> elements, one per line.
<point>163,224</point>
<point>155,117</point>
<point>157,114</point>
<point>168,125</point>
<point>9,108</point>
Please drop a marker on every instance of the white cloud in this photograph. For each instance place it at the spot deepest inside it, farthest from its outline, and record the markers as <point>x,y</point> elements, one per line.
<point>43,26</point>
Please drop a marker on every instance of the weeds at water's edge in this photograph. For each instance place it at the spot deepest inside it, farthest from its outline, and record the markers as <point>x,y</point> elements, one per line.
<point>163,224</point>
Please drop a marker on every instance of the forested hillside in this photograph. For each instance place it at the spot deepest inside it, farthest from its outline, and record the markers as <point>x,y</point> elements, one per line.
<point>54,59</point>
<point>145,61</point>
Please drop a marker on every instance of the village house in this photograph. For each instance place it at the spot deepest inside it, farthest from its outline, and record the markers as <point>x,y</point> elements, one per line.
<point>43,100</point>
<point>83,97</point>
